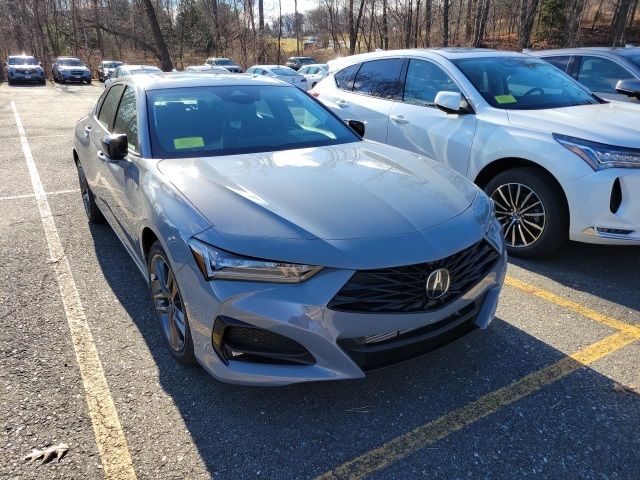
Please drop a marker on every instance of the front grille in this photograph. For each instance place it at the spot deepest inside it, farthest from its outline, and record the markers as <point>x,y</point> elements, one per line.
<point>403,289</point>
<point>77,72</point>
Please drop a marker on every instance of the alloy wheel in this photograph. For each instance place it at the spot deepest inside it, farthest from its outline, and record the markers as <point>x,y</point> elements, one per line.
<point>168,303</point>
<point>521,214</point>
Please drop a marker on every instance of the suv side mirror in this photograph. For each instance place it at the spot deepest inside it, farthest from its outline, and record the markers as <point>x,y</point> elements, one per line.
<point>451,102</point>
<point>630,88</point>
<point>357,126</point>
<point>115,147</point>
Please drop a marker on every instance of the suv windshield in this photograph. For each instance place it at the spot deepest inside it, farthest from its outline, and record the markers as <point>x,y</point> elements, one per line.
<point>71,62</point>
<point>111,64</point>
<point>22,61</point>
<point>519,83</point>
<point>211,121</point>
<point>224,61</point>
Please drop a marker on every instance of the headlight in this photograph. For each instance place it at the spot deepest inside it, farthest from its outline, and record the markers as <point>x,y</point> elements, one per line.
<point>484,211</point>
<point>599,155</point>
<point>216,264</point>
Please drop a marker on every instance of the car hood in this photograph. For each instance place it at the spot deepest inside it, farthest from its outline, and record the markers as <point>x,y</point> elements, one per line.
<point>356,190</point>
<point>70,67</point>
<point>613,123</point>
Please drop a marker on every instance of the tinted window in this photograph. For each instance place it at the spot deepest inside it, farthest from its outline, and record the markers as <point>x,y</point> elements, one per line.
<point>379,78</point>
<point>522,83</point>
<point>345,77</point>
<point>424,81</point>
<point>601,74</point>
<point>109,105</point>
<point>560,62</point>
<point>210,121</point>
<point>127,118</point>
<point>23,61</point>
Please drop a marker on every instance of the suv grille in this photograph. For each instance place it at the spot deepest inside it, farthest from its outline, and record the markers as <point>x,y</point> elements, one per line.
<point>403,289</point>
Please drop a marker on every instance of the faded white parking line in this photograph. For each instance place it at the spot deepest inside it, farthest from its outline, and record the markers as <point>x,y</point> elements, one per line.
<point>112,444</point>
<point>32,195</point>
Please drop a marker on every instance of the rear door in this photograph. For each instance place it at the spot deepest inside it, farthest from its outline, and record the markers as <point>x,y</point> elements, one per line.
<point>600,75</point>
<point>416,124</point>
<point>366,92</point>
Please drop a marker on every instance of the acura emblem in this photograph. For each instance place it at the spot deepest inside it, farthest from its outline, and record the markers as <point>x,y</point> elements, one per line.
<point>438,283</point>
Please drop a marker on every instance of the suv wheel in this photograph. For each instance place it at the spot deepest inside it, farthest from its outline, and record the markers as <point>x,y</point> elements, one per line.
<point>169,306</point>
<point>532,211</point>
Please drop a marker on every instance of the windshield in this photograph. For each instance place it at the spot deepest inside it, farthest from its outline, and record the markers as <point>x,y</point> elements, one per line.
<point>23,61</point>
<point>111,64</point>
<point>71,62</point>
<point>285,72</point>
<point>227,120</point>
<point>520,83</point>
<point>224,61</point>
<point>307,61</point>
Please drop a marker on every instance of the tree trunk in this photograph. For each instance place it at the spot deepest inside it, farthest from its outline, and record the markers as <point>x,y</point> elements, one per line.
<point>261,53</point>
<point>161,47</point>
<point>619,25</point>
<point>385,26</point>
<point>427,23</point>
<point>445,23</point>
<point>528,10</point>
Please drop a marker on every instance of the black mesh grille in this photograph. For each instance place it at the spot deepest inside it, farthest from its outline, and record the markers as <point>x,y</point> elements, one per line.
<point>403,289</point>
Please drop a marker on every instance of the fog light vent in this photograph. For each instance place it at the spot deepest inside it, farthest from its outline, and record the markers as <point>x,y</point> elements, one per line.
<point>616,196</point>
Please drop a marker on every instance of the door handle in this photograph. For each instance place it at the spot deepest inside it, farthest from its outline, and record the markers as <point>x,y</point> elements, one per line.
<point>102,156</point>
<point>342,103</point>
<point>399,119</point>
<point>87,131</point>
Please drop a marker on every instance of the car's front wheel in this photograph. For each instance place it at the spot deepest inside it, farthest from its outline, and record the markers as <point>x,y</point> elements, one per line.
<point>88,199</point>
<point>531,209</point>
<point>169,306</point>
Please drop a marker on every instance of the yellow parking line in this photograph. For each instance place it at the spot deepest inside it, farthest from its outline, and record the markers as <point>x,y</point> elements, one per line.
<point>576,307</point>
<point>420,437</point>
<point>110,439</point>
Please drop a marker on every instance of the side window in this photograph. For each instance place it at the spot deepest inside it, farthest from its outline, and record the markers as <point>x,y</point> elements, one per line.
<point>127,118</point>
<point>344,78</point>
<point>560,62</point>
<point>379,78</point>
<point>424,81</point>
<point>601,75</point>
<point>109,106</point>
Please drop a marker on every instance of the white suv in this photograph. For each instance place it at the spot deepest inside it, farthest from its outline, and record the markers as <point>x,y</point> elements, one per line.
<point>558,161</point>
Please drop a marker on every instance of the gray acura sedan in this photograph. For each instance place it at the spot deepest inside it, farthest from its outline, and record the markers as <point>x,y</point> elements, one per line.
<point>278,245</point>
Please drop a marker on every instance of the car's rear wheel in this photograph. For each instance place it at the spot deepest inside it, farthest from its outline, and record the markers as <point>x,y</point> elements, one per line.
<point>88,199</point>
<point>169,306</point>
<point>532,211</point>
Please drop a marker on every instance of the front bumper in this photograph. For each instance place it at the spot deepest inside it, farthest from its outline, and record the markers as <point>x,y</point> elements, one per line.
<point>300,313</point>
<point>71,77</point>
<point>605,207</point>
<point>31,76</point>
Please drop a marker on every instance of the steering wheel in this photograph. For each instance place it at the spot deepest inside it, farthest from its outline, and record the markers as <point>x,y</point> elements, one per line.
<point>532,90</point>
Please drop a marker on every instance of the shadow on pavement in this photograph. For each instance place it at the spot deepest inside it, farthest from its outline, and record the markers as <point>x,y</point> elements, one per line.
<point>303,430</point>
<point>605,271</point>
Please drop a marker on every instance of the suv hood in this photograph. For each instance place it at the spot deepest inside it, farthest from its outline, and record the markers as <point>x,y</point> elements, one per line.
<point>614,123</point>
<point>351,191</point>
<point>70,67</point>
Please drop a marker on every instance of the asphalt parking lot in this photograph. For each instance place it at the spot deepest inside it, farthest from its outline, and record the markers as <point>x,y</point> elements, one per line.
<point>531,397</point>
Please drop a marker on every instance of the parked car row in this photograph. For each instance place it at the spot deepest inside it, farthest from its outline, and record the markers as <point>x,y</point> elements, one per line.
<point>290,237</point>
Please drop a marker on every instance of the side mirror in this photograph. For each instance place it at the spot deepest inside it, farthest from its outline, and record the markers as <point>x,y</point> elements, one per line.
<point>115,147</point>
<point>450,102</point>
<point>4,64</point>
<point>630,88</point>
<point>357,126</point>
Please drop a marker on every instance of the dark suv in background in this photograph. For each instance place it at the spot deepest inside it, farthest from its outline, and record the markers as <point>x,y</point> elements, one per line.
<point>298,62</point>
<point>610,73</point>
<point>23,68</point>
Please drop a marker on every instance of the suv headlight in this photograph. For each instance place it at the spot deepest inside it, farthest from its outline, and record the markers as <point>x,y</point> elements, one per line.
<point>600,155</point>
<point>216,264</point>
<point>484,211</point>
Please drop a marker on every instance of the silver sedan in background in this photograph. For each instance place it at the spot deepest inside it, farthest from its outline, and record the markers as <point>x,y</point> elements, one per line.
<point>279,246</point>
<point>280,72</point>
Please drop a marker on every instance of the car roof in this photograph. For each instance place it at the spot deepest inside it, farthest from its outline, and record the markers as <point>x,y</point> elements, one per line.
<point>110,61</point>
<point>21,56</point>
<point>270,66</point>
<point>137,67</point>
<point>582,50</point>
<point>156,81</point>
<point>315,65</point>
<point>68,58</point>
<point>450,53</point>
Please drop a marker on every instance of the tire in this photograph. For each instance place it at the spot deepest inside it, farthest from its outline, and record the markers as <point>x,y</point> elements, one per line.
<point>168,306</point>
<point>43,81</point>
<point>94,215</point>
<point>532,210</point>
<point>11,82</point>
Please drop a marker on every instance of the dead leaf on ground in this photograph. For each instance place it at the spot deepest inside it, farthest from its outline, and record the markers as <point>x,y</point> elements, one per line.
<point>48,454</point>
<point>622,388</point>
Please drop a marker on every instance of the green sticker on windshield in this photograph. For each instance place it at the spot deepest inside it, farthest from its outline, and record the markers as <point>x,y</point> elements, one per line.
<point>188,142</point>
<point>505,99</point>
